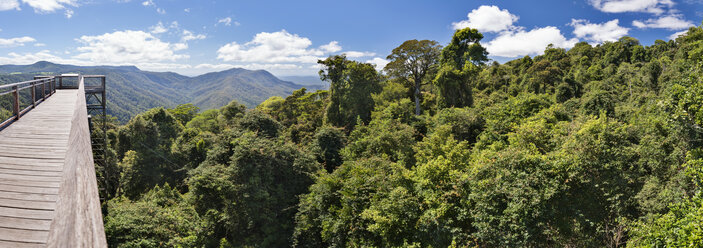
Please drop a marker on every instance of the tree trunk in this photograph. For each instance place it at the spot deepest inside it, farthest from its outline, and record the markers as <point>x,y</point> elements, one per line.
<point>417,96</point>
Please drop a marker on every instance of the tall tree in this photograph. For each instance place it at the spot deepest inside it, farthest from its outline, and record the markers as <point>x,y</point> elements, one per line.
<point>460,60</point>
<point>413,61</point>
<point>351,86</point>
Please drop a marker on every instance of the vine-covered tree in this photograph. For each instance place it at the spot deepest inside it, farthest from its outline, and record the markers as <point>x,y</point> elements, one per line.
<point>459,62</point>
<point>351,85</point>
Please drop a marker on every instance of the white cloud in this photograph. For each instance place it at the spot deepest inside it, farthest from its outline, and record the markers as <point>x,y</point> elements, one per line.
<point>39,44</point>
<point>214,66</point>
<point>487,19</point>
<point>158,29</point>
<point>126,47</point>
<point>677,34</point>
<point>670,22</point>
<point>188,36</point>
<point>276,47</point>
<point>14,42</point>
<point>356,54</point>
<point>9,5</point>
<point>68,13</point>
<point>598,32</point>
<point>620,6</point>
<point>281,53</point>
<point>180,46</point>
<point>270,67</point>
<point>520,43</point>
<point>253,66</point>
<point>331,47</point>
<point>379,62</point>
<point>160,11</point>
<point>47,6</point>
<point>148,3</point>
<point>187,10</point>
<point>29,58</point>
<point>227,21</point>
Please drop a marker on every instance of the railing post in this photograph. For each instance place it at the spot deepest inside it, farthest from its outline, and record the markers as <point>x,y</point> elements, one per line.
<point>60,82</point>
<point>43,90</point>
<point>34,94</point>
<point>16,106</point>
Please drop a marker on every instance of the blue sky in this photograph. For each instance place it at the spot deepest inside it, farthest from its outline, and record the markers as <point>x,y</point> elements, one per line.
<point>287,37</point>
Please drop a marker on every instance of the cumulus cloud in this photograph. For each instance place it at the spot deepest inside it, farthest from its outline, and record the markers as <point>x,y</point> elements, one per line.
<point>148,3</point>
<point>253,66</point>
<point>159,28</point>
<point>677,34</point>
<point>331,47</point>
<point>9,5</point>
<point>47,6</point>
<point>598,32</point>
<point>276,47</point>
<point>357,54</point>
<point>620,6</point>
<point>279,52</point>
<point>215,66</point>
<point>487,19</point>
<point>380,63</point>
<point>670,22</point>
<point>519,43</point>
<point>126,47</point>
<point>29,58</point>
<point>188,36</point>
<point>14,42</point>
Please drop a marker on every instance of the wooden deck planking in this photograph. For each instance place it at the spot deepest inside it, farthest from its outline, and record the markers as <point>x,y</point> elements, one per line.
<point>32,156</point>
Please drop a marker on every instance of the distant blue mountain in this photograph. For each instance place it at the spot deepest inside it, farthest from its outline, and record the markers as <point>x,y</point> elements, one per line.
<point>132,91</point>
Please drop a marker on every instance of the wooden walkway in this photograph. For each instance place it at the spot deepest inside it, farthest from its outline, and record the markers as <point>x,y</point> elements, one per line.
<point>41,200</point>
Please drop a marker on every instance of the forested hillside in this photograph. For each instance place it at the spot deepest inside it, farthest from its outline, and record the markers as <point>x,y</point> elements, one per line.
<point>595,146</point>
<point>132,91</point>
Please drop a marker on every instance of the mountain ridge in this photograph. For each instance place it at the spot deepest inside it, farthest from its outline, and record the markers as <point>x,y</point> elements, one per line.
<point>132,90</point>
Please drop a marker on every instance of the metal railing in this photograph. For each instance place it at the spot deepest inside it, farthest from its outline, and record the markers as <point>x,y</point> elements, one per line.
<point>47,86</point>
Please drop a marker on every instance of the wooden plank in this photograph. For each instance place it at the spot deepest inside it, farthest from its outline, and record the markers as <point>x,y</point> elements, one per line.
<point>22,223</point>
<point>32,142</point>
<point>19,148</point>
<point>21,163</point>
<point>21,235</point>
<point>28,196</point>
<point>26,213</point>
<point>29,172</point>
<point>19,160</point>
<point>37,168</point>
<point>15,244</point>
<point>30,178</point>
<point>29,189</point>
<point>39,184</point>
<point>29,155</point>
<point>25,204</point>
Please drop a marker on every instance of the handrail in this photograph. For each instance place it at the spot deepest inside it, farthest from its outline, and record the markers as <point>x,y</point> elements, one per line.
<point>15,89</point>
<point>78,220</point>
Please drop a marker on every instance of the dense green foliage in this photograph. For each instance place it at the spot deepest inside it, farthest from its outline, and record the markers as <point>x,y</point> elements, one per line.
<point>597,146</point>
